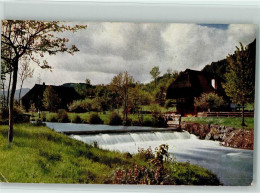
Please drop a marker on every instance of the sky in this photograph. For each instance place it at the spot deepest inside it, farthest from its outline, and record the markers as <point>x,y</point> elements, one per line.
<point>107,49</point>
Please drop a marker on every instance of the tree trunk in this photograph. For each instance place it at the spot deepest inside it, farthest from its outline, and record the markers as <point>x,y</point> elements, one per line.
<point>11,103</point>
<point>3,88</point>
<point>9,85</point>
<point>243,115</point>
<point>20,93</point>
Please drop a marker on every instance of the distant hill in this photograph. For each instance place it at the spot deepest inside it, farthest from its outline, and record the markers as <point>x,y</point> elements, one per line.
<point>74,85</point>
<point>16,96</point>
<point>220,67</point>
<point>82,89</point>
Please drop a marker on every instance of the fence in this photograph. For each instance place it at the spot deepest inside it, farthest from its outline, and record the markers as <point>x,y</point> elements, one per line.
<point>225,114</point>
<point>172,119</point>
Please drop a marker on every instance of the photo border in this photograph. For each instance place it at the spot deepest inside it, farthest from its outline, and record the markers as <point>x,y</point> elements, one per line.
<point>141,11</point>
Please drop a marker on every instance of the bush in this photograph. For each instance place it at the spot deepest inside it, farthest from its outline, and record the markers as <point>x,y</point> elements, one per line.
<point>80,106</point>
<point>52,118</point>
<point>155,174</point>
<point>62,116</point>
<point>115,119</point>
<point>136,123</point>
<point>127,122</point>
<point>159,121</point>
<point>145,154</point>
<point>43,116</point>
<point>209,101</point>
<point>19,116</point>
<point>76,119</point>
<point>148,122</point>
<point>95,119</point>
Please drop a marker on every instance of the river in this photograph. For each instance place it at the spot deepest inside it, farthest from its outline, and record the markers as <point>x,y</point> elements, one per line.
<point>232,166</point>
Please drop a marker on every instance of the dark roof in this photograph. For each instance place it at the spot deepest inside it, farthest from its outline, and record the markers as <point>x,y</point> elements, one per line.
<point>35,95</point>
<point>192,83</point>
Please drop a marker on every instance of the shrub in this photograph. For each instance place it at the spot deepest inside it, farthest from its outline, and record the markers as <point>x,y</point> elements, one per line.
<point>145,154</point>
<point>52,118</point>
<point>76,119</point>
<point>62,116</point>
<point>209,101</point>
<point>127,122</point>
<point>147,122</point>
<point>136,123</point>
<point>115,119</point>
<point>19,116</point>
<point>155,174</point>
<point>80,106</point>
<point>43,116</point>
<point>159,121</point>
<point>95,119</point>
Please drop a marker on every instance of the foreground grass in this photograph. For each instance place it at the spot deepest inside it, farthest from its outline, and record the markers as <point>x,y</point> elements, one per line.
<point>226,121</point>
<point>40,155</point>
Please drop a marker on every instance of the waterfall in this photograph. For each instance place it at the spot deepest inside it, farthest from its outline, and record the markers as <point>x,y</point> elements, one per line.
<point>105,140</point>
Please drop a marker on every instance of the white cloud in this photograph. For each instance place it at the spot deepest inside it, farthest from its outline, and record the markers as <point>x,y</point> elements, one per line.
<point>109,48</point>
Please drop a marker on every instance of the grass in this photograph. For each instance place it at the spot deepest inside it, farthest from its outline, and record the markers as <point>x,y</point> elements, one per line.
<point>40,155</point>
<point>85,116</point>
<point>226,121</point>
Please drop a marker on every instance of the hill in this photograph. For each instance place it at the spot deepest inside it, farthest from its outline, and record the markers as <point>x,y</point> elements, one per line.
<point>220,67</point>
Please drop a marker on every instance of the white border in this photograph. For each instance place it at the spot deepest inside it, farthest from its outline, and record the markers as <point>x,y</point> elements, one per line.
<point>204,11</point>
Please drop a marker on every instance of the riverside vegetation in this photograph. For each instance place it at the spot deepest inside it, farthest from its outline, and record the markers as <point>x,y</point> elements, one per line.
<point>39,154</point>
<point>114,118</point>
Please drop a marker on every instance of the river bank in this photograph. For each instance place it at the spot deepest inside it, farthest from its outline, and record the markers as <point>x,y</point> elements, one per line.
<point>41,155</point>
<point>233,166</point>
<point>228,136</point>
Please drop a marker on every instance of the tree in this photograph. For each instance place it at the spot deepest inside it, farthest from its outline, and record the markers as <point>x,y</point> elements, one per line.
<point>208,101</point>
<point>240,77</point>
<point>155,72</point>
<point>2,84</point>
<point>24,72</point>
<point>121,85</point>
<point>5,70</point>
<point>169,72</point>
<point>88,81</point>
<point>115,87</point>
<point>50,99</point>
<point>31,39</point>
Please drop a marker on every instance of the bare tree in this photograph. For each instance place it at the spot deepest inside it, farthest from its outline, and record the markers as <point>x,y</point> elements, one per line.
<point>24,72</point>
<point>32,39</point>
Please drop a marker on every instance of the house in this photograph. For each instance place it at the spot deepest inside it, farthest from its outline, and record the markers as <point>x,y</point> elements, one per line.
<point>35,95</point>
<point>190,84</point>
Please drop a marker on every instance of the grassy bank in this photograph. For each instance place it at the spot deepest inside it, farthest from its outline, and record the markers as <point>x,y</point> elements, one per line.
<point>40,155</point>
<point>226,121</point>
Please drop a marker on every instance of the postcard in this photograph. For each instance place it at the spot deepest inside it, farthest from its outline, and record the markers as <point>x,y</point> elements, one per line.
<point>127,103</point>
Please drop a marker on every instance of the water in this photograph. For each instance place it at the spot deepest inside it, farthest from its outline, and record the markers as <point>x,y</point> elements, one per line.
<point>232,166</point>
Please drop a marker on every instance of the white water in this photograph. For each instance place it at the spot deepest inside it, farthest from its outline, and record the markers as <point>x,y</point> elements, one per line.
<point>232,166</point>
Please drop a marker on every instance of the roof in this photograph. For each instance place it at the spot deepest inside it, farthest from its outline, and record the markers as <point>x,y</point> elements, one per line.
<point>192,83</point>
<point>66,94</point>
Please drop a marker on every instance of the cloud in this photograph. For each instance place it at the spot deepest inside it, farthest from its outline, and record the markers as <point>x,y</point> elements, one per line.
<point>109,48</point>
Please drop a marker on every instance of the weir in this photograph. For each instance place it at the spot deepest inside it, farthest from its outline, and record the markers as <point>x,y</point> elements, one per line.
<point>87,129</point>
<point>232,166</point>
<point>118,131</point>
